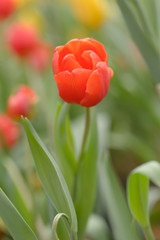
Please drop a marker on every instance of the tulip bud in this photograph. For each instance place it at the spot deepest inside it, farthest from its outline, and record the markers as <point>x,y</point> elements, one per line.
<point>21,38</point>
<point>6,8</point>
<point>22,103</point>
<point>9,132</point>
<point>81,71</point>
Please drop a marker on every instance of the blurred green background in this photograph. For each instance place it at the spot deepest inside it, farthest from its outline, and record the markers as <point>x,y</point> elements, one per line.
<point>132,105</point>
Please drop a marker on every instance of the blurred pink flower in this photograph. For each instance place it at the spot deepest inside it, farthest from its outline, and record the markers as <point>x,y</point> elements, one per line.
<point>7,7</point>
<point>9,131</point>
<point>21,38</point>
<point>22,103</point>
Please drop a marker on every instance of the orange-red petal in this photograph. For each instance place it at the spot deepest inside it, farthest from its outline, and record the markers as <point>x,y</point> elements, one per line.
<point>90,59</point>
<point>59,54</point>
<point>99,49</point>
<point>78,46</point>
<point>72,86</point>
<point>69,63</point>
<point>97,85</point>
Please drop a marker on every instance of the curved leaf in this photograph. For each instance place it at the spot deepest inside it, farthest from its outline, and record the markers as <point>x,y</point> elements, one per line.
<point>55,224</point>
<point>138,186</point>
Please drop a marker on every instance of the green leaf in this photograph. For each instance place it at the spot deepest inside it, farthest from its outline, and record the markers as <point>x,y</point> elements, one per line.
<point>115,203</point>
<point>138,185</point>
<point>149,50</point>
<point>55,224</point>
<point>64,144</point>
<point>12,183</point>
<point>16,225</point>
<point>51,176</point>
<point>87,180</point>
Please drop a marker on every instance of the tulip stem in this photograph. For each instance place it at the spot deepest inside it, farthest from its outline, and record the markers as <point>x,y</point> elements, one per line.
<point>87,123</point>
<point>80,158</point>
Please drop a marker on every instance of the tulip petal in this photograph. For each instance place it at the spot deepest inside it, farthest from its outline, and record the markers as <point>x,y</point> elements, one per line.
<point>90,59</point>
<point>97,85</point>
<point>55,64</point>
<point>72,86</point>
<point>69,63</point>
<point>99,49</point>
<point>58,56</point>
<point>78,46</point>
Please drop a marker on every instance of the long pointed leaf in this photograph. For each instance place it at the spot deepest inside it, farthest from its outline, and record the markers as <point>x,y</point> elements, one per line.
<point>16,225</point>
<point>51,176</point>
<point>14,191</point>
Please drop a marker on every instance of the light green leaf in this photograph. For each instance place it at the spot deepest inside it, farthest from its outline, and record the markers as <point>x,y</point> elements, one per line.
<point>16,225</point>
<point>138,186</point>
<point>115,203</point>
<point>51,176</point>
<point>13,185</point>
<point>64,144</point>
<point>85,190</point>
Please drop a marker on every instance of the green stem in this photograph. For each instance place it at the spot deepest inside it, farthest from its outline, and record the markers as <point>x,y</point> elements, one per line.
<point>86,131</point>
<point>148,233</point>
<point>87,123</point>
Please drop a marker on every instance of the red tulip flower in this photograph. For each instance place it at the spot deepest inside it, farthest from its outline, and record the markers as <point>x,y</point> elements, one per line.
<point>9,131</point>
<point>6,8</point>
<point>81,71</point>
<point>22,103</point>
<point>39,57</point>
<point>21,38</point>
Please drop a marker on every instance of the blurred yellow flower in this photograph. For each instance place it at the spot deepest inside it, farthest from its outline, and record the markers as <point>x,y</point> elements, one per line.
<point>32,17</point>
<point>91,13</point>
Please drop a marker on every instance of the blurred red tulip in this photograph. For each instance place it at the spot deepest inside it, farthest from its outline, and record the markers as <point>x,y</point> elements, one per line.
<point>81,71</point>
<point>39,57</point>
<point>21,38</point>
<point>6,8</point>
<point>9,131</point>
<point>22,103</point>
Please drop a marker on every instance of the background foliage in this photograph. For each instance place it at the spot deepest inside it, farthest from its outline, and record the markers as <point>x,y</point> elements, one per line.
<point>130,32</point>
